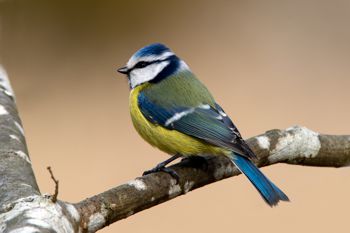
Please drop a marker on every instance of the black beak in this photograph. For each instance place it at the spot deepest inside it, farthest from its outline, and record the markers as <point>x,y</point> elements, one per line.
<point>123,70</point>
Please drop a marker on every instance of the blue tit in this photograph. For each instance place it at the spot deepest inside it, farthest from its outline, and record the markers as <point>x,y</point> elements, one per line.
<point>173,111</point>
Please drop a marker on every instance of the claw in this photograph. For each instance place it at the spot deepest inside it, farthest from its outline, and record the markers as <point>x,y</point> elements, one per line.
<point>167,170</point>
<point>161,168</point>
<point>172,173</point>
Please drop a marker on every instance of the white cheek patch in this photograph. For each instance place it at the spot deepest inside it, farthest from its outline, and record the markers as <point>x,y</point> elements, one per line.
<point>139,76</point>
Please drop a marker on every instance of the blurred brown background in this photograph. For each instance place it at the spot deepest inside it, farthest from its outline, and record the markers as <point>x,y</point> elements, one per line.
<point>270,64</point>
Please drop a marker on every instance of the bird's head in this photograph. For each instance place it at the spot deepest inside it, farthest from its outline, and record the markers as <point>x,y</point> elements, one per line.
<point>152,63</point>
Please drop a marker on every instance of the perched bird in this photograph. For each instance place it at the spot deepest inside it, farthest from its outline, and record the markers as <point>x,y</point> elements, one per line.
<point>172,110</point>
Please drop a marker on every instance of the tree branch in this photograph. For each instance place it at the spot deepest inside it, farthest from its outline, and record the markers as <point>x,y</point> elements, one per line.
<point>15,183</point>
<point>295,145</point>
<point>24,209</point>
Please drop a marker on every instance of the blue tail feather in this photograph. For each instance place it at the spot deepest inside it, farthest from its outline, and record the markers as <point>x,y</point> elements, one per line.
<point>269,191</point>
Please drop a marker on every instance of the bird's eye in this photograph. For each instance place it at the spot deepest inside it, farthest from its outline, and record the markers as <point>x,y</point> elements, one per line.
<point>141,64</point>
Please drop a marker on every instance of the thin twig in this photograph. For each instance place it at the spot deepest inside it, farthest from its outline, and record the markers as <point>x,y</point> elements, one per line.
<point>54,196</point>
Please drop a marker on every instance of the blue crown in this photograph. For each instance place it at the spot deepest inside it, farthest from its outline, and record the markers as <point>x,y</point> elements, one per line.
<point>152,49</point>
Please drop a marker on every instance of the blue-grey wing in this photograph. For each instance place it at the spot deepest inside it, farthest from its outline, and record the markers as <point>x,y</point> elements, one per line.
<point>240,142</point>
<point>204,122</point>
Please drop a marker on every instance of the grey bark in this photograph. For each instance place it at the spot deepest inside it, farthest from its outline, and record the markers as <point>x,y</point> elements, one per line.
<point>24,209</point>
<point>14,183</point>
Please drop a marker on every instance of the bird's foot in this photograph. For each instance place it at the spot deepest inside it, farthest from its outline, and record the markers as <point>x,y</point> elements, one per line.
<point>162,168</point>
<point>167,170</point>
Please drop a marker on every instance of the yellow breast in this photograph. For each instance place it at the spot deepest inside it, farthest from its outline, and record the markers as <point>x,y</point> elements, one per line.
<point>169,141</point>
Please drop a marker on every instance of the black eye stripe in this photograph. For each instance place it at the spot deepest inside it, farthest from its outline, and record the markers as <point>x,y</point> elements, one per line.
<point>142,64</point>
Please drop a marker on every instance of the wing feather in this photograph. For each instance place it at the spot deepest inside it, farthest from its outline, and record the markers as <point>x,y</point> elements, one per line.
<point>204,122</point>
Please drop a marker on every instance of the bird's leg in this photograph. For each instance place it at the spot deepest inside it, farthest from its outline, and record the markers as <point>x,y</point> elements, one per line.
<point>161,167</point>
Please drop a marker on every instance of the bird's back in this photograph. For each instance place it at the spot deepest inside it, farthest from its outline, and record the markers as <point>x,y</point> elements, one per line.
<point>182,89</point>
